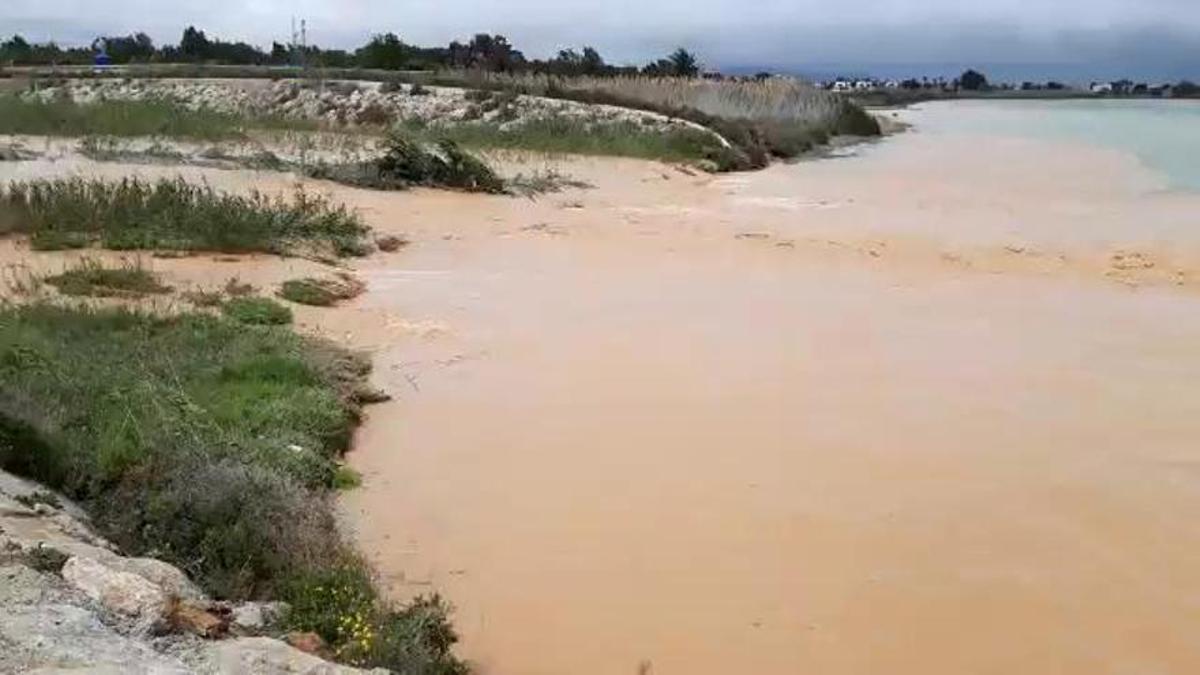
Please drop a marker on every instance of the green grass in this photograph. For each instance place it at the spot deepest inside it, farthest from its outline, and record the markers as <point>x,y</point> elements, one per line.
<point>128,118</point>
<point>257,311</point>
<point>92,279</point>
<point>175,215</point>
<point>215,447</point>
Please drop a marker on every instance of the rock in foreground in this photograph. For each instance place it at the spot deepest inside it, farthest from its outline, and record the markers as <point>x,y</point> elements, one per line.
<point>70,602</point>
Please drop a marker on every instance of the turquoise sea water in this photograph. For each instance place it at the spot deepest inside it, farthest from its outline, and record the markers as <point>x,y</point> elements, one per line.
<point>1163,134</point>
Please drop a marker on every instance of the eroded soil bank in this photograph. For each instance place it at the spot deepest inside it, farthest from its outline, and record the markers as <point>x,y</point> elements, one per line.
<point>928,409</point>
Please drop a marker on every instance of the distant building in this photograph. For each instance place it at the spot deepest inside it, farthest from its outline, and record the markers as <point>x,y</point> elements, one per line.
<point>1101,88</point>
<point>842,85</point>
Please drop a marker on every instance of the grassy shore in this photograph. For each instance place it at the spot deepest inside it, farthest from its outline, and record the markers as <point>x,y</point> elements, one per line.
<point>762,120</point>
<point>130,119</point>
<point>215,446</point>
<point>173,214</point>
<point>563,135</point>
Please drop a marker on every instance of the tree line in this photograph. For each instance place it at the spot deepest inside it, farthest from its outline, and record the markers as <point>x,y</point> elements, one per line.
<point>385,51</point>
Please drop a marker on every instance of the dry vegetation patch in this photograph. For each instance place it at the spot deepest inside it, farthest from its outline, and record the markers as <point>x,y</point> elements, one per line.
<point>321,292</point>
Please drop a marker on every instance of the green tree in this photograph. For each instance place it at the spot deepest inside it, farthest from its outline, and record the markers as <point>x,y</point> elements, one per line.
<point>384,51</point>
<point>684,63</point>
<point>592,62</point>
<point>973,80</point>
<point>137,47</point>
<point>16,49</point>
<point>194,45</point>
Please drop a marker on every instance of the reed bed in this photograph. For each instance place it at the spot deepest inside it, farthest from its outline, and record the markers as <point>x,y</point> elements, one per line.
<point>172,214</point>
<point>781,118</point>
<point>114,118</point>
<point>778,99</point>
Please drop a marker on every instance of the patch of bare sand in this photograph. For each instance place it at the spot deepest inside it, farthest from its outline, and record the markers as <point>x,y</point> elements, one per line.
<point>869,415</point>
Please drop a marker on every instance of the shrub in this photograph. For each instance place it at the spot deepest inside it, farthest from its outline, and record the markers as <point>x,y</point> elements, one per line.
<point>175,215</point>
<point>461,169</point>
<point>257,311</point>
<point>338,604</point>
<point>406,162</point>
<point>90,278</point>
<point>321,292</point>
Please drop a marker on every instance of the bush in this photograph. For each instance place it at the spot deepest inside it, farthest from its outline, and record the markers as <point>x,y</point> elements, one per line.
<point>338,604</point>
<point>90,278</point>
<point>175,215</point>
<point>854,121</point>
<point>321,292</point>
<point>257,311</point>
<point>406,162</point>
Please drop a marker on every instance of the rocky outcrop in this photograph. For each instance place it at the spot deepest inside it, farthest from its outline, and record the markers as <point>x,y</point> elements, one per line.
<point>263,656</point>
<point>70,602</point>
<point>128,595</point>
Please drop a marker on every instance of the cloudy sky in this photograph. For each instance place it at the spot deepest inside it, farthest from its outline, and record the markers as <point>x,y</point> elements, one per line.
<point>1142,38</point>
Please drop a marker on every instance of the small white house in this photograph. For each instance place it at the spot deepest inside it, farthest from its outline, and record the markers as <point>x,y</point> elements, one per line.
<point>842,85</point>
<point>864,85</point>
<point>1102,88</point>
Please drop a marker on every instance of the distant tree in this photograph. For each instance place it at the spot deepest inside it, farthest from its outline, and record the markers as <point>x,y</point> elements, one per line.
<point>659,68</point>
<point>567,62</point>
<point>1186,89</point>
<point>680,63</point>
<point>911,83</point>
<point>194,44</point>
<point>280,54</point>
<point>973,80</point>
<point>137,47</point>
<point>384,51</point>
<point>16,49</point>
<point>335,58</point>
<point>684,63</point>
<point>593,63</point>
<point>486,52</point>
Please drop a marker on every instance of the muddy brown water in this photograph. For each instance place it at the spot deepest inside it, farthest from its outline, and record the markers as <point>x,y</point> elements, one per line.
<point>921,410</point>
